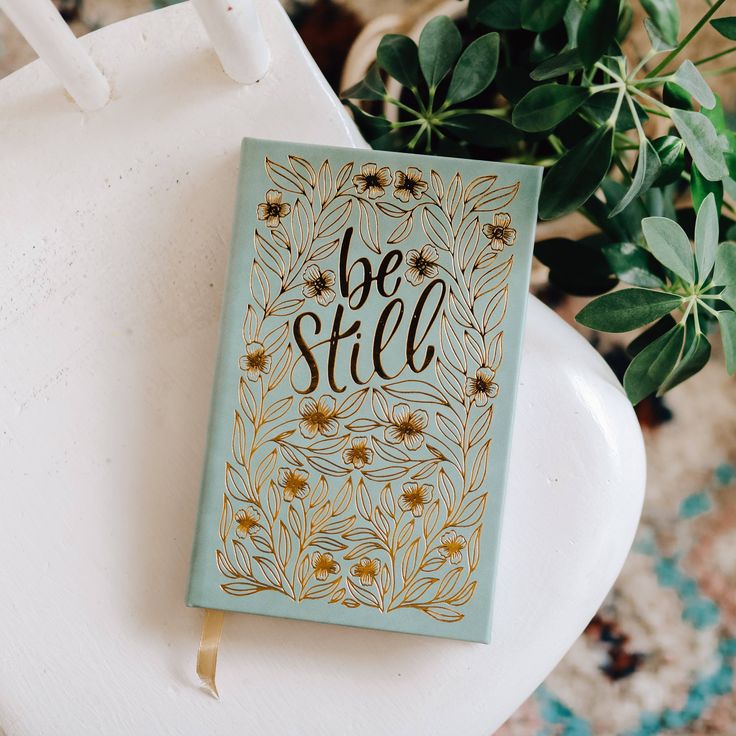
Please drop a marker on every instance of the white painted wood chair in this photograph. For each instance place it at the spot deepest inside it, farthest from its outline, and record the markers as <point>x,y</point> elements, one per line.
<point>114,233</point>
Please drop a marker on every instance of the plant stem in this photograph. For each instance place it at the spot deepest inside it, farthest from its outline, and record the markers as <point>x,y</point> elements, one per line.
<point>685,41</point>
<point>715,56</point>
<point>718,72</point>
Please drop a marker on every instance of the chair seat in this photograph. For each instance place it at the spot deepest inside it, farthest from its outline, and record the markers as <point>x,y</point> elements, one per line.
<point>114,234</point>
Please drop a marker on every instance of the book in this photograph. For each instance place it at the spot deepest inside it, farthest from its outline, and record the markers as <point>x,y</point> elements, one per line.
<point>365,386</point>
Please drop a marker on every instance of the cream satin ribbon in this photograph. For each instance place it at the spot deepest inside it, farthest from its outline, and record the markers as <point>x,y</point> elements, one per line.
<point>208,646</point>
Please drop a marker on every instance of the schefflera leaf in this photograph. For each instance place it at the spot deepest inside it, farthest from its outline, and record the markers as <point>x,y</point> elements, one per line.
<point>648,167</point>
<point>399,56</point>
<point>706,237</point>
<point>576,176</point>
<point>475,69</point>
<point>702,141</point>
<point>597,29</point>
<point>439,46</point>
<point>546,106</point>
<point>669,244</point>
<point>627,309</point>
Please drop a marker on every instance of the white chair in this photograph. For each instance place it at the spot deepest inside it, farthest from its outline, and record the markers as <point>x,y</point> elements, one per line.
<point>114,234</point>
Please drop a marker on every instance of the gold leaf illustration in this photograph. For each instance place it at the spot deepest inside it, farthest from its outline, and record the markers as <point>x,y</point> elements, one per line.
<point>449,428</point>
<point>277,410</point>
<point>238,440</point>
<point>495,310</point>
<point>322,590</point>
<point>432,564</point>
<point>280,368</point>
<point>481,425</point>
<point>325,250</point>
<point>329,544</point>
<point>409,561</point>
<point>443,612</point>
<point>327,467</point>
<point>392,210</point>
<point>351,404</point>
<point>459,311</point>
<point>473,512</point>
<point>448,583</point>
<point>300,227</point>
<point>479,186</point>
<point>366,597</point>
<point>387,500</point>
<point>418,588</point>
<point>226,518</point>
<point>284,546</point>
<point>473,348</point>
<point>454,194</point>
<point>468,241</point>
<point>269,570</point>
<point>414,390</point>
<point>224,565</point>
<point>431,517</point>
<point>295,521</point>
<point>319,493</point>
<point>242,588</point>
<point>437,230</point>
<point>368,226</point>
<point>260,287</point>
<point>247,400</point>
<point>344,497</point>
<point>236,484</point>
<point>446,490</point>
<point>275,339</point>
<point>402,231</point>
<point>324,182</point>
<point>362,550</point>
<point>465,594</point>
<point>448,380</point>
<point>474,549</point>
<point>437,185</point>
<point>283,178</point>
<point>405,533</point>
<point>496,199</point>
<point>363,499</point>
<point>343,175</point>
<point>242,557</point>
<point>392,453</point>
<point>493,278</point>
<point>265,469</point>
<point>480,465</point>
<point>271,257</point>
<point>287,307</point>
<point>495,352</point>
<point>451,346</point>
<point>335,219</point>
<point>303,169</point>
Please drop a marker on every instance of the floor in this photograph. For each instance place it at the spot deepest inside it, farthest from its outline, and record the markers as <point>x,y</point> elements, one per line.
<point>659,656</point>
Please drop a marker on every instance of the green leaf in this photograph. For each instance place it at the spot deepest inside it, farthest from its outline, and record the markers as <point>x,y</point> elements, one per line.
<point>700,188</point>
<point>725,271</point>
<point>541,15</point>
<point>398,55</point>
<point>475,69</point>
<point>650,334</point>
<point>597,29</point>
<point>670,246</point>
<point>371,126</point>
<point>691,80</point>
<point>669,355</point>
<point>370,88</point>
<point>439,47</point>
<point>621,311</point>
<point>675,96</point>
<point>482,130</point>
<point>693,355</point>
<point>706,237</point>
<point>726,27</point>
<point>702,142</point>
<point>602,104</point>
<point>637,381</point>
<point>501,14</point>
<point>544,107</point>
<point>647,170</point>
<point>565,62</point>
<point>658,41</point>
<point>727,321</point>
<point>631,264</point>
<point>671,152</point>
<point>576,176</point>
<point>665,15</point>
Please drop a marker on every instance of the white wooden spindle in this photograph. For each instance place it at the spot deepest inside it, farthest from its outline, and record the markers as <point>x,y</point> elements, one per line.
<point>237,35</point>
<point>41,25</point>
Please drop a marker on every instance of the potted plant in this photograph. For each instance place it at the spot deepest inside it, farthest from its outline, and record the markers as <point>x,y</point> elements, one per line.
<point>638,144</point>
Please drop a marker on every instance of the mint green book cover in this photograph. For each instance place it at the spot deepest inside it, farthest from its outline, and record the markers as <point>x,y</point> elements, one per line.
<point>365,386</point>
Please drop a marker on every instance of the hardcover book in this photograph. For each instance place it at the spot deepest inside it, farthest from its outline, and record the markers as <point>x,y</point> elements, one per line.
<point>365,386</point>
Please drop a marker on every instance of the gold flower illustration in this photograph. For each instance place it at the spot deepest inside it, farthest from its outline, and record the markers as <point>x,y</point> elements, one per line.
<point>452,546</point>
<point>481,387</point>
<point>414,498</point>
<point>324,565</point>
<point>372,179</point>
<point>318,285</point>
<point>409,184</point>
<point>318,417</point>
<point>422,263</point>
<point>406,426</point>
<point>255,361</point>
<point>499,233</point>
<point>247,519</point>
<point>273,209</point>
<point>358,454</point>
<point>294,483</point>
<point>366,570</point>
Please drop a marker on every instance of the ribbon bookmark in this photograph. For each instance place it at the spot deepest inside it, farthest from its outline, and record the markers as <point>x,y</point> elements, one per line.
<point>208,646</point>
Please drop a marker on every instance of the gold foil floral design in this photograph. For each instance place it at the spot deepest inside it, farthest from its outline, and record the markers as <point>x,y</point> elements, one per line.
<point>367,495</point>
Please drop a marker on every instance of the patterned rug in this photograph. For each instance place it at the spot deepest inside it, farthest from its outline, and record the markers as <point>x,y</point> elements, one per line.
<point>659,656</point>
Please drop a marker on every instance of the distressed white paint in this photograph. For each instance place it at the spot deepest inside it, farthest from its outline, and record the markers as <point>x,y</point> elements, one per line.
<point>41,25</point>
<point>237,35</point>
<point>114,233</point>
